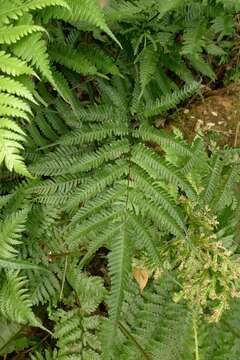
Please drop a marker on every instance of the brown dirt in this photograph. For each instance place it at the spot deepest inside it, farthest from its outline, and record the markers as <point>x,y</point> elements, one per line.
<point>217,117</point>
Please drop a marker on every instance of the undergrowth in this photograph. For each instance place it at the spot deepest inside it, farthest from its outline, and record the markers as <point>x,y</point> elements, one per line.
<point>117,240</point>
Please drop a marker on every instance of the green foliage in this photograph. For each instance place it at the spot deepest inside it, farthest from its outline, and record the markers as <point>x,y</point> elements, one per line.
<point>95,200</point>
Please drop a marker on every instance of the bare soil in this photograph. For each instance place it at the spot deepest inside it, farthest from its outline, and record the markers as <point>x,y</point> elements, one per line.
<point>216,116</point>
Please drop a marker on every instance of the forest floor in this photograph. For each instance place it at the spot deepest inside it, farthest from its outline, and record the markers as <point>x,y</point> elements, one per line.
<point>216,115</point>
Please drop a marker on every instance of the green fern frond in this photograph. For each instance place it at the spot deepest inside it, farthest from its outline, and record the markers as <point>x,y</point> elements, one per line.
<point>9,35</point>
<point>83,12</point>
<point>43,286</point>
<point>193,39</point>
<point>212,180</point>
<point>13,66</point>
<point>159,169</point>
<point>73,59</point>
<point>96,132</point>
<point>170,101</point>
<point>103,178</point>
<point>9,332</point>
<point>147,67</point>
<point>158,195</point>
<point>46,356</point>
<point>102,240</point>
<point>152,212</point>
<point>76,335</point>
<point>225,196</point>
<point>11,137</point>
<point>104,154</point>
<point>34,49</point>
<point>141,229</point>
<point>10,233</point>
<point>12,10</point>
<point>96,204</point>
<point>162,138</point>
<point>119,269</point>
<point>15,302</point>
<point>92,224</point>
<point>202,66</point>
<point>14,102</point>
<point>15,87</point>
<point>101,59</point>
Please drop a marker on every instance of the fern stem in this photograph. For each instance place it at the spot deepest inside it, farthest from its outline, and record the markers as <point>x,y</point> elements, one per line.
<point>195,330</point>
<point>64,278</point>
<point>127,333</point>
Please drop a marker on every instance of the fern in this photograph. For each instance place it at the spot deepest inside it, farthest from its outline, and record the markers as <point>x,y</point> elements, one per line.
<point>86,11</point>
<point>123,239</point>
<point>170,101</point>
<point>15,303</point>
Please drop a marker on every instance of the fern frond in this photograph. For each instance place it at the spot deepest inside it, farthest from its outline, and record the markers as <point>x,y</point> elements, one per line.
<point>170,101</point>
<point>15,302</point>
<point>158,195</point>
<point>212,180</point>
<point>14,102</point>
<point>119,269</point>
<point>11,34</point>
<point>34,49</point>
<point>96,204</point>
<point>10,233</point>
<point>162,138</point>
<point>147,66</point>
<point>43,286</point>
<point>104,154</point>
<point>159,169</point>
<point>76,335</point>
<point>225,196</point>
<point>95,132</point>
<point>12,10</point>
<point>102,60</point>
<point>105,177</point>
<point>10,137</point>
<point>8,334</point>
<point>13,66</point>
<point>202,66</point>
<point>141,229</point>
<point>92,224</point>
<point>193,39</point>
<point>83,12</point>
<point>89,290</point>
<point>104,239</point>
<point>74,60</point>
<point>152,212</point>
<point>15,87</point>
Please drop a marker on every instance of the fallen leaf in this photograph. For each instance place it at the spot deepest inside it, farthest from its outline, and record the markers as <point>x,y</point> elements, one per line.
<point>141,276</point>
